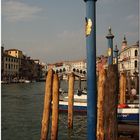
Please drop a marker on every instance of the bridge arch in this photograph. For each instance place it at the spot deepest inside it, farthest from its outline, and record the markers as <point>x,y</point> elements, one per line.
<point>74,69</point>
<point>64,69</point>
<point>84,72</point>
<point>56,71</point>
<point>60,70</point>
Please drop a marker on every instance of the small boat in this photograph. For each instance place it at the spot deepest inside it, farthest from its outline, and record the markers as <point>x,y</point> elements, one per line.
<point>62,91</point>
<point>21,80</point>
<point>27,81</point>
<point>127,113</point>
<point>81,91</point>
<point>24,81</point>
<point>4,82</point>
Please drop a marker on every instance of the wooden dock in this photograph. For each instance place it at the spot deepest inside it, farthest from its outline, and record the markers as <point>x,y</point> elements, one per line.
<point>128,132</point>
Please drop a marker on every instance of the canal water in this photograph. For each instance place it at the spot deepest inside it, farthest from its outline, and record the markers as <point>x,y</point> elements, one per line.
<point>21,113</point>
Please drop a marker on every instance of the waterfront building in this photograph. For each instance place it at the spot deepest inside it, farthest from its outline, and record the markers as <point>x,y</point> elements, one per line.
<point>129,58</point>
<point>43,70</point>
<point>15,66</point>
<point>30,69</point>
<point>128,62</point>
<point>2,61</point>
<point>11,67</point>
<point>15,53</point>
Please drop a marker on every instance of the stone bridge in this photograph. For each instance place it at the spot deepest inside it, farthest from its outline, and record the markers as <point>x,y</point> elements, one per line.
<point>66,70</point>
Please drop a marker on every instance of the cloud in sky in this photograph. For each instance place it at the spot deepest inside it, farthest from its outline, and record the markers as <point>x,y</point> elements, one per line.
<point>59,32</point>
<point>106,1</point>
<point>15,11</point>
<point>71,34</point>
<point>133,19</point>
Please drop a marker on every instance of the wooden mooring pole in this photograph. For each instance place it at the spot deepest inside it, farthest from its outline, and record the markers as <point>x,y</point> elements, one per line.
<point>100,105</point>
<point>79,83</point>
<point>47,105</point>
<point>55,107</point>
<point>128,81</point>
<point>70,100</point>
<point>122,88</point>
<point>111,103</point>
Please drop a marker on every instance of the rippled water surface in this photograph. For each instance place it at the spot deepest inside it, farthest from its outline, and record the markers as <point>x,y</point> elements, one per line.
<point>22,107</point>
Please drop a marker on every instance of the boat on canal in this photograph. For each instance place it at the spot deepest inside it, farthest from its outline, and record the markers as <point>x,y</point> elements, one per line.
<point>126,113</point>
<point>24,81</point>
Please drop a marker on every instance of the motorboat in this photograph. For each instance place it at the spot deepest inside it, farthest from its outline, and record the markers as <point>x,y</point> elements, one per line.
<point>128,112</point>
<point>27,81</point>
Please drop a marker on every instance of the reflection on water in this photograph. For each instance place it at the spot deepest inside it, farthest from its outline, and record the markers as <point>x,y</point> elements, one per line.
<point>22,107</point>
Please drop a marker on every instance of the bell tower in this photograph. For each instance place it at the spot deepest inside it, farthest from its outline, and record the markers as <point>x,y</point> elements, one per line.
<point>124,43</point>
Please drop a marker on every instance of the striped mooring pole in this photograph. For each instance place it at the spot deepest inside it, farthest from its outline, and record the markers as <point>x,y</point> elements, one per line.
<point>110,37</point>
<point>91,68</point>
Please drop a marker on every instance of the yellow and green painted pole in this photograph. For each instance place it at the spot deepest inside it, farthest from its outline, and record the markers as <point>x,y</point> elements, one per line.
<point>110,37</point>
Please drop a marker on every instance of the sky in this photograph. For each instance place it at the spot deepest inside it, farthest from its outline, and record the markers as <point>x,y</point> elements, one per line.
<point>54,30</point>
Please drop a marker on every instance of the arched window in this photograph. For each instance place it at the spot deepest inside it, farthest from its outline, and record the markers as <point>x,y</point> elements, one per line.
<point>64,69</point>
<point>60,70</point>
<point>56,71</point>
<point>84,72</point>
<point>136,64</point>
<point>74,69</point>
<point>136,52</point>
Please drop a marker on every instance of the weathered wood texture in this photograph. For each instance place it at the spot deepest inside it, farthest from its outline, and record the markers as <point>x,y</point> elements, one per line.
<point>70,100</point>
<point>55,108</point>
<point>122,88</point>
<point>128,83</point>
<point>111,103</point>
<point>130,130</point>
<point>47,105</point>
<point>100,104</point>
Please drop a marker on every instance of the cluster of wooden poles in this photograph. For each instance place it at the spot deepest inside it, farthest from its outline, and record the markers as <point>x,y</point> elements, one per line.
<point>107,103</point>
<point>51,102</point>
<point>122,99</point>
<point>108,89</point>
<point>111,84</point>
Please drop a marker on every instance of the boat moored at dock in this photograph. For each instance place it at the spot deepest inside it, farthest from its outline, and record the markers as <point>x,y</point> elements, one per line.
<point>129,113</point>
